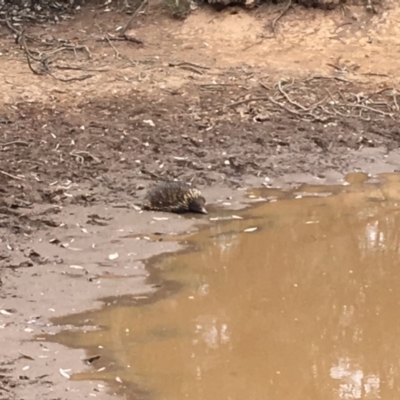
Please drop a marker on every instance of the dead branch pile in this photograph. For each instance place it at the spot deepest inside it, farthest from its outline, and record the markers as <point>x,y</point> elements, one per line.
<point>38,11</point>
<point>303,101</point>
<point>58,10</point>
<point>321,4</point>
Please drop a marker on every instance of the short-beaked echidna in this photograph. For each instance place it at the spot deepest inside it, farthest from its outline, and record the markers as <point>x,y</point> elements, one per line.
<point>176,197</point>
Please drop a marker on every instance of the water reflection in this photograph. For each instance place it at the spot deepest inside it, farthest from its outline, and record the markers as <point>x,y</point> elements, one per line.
<point>303,308</point>
<point>353,384</point>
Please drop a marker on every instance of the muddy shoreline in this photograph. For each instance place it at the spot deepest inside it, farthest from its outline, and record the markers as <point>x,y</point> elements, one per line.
<point>65,282</point>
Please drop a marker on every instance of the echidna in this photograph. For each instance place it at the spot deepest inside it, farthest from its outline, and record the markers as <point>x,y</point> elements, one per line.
<point>176,197</point>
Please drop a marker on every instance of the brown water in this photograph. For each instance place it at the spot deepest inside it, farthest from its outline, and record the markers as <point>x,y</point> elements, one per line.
<point>306,307</point>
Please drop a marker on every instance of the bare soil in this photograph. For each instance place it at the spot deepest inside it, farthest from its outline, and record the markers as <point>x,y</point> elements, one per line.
<point>218,99</point>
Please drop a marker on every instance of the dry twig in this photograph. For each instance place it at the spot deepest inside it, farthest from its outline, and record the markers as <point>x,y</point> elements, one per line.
<point>281,14</point>
<point>18,178</point>
<point>45,61</point>
<point>16,142</point>
<point>187,63</point>
<point>139,9</point>
<point>240,102</point>
<point>79,155</point>
<point>365,107</point>
<point>337,78</point>
<point>117,55</point>
<point>189,66</point>
<point>341,104</point>
<point>294,103</point>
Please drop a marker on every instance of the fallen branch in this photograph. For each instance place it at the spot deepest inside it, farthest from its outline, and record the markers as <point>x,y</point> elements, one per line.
<point>79,155</point>
<point>73,79</point>
<point>240,102</point>
<point>286,96</point>
<point>71,47</point>
<point>189,66</point>
<point>281,14</point>
<point>368,108</point>
<point>121,38</point>
<point>294,112</point>
<point>29,56</point>
<point>16,142</point>
<point>187,63</point>
<point>18,178</point>
<point>336,78</point>
<point>45,61</point>
<point>395,99</point>
<point>138,10</point>
<point>117,55</point>
<point>4,389</point>
<point>342,103</point>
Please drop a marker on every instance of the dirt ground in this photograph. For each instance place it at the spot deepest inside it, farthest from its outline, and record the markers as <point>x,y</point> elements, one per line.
<point>220,99</point>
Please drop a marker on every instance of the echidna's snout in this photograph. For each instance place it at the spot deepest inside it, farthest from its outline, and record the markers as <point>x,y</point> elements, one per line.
<point>203,210</point>
<point>198,205</point>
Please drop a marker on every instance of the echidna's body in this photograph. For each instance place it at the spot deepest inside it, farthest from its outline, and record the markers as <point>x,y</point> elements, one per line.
<point>176,197</point>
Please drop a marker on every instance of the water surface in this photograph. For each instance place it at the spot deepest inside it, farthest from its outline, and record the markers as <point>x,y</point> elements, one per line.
<point>305,307</point>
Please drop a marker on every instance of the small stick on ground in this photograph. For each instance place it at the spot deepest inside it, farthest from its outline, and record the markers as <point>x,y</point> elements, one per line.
<point>4,389</point>
<point>395,99</point>
<point>122,38</point>
<point>298,113</point>
<point>29,56</point>
<point>18,178</point>
<point>45,61</point>
<point>75,68</point>
<point>287,97</point>
<point>281,14</point>
<point>19,142</point>
<point>240,102</point>
<point>336,78</point>
<point>362,106</point>
<point>140,8</point>
<point>74,48</point>
<point>76,79</point>
<point>117,54</point>
<point>79,154</point>
<point>12,28</point>
<point>191,64</point>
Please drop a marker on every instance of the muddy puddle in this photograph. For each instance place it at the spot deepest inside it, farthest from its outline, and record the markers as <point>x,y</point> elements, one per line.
<point>299,299</point>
